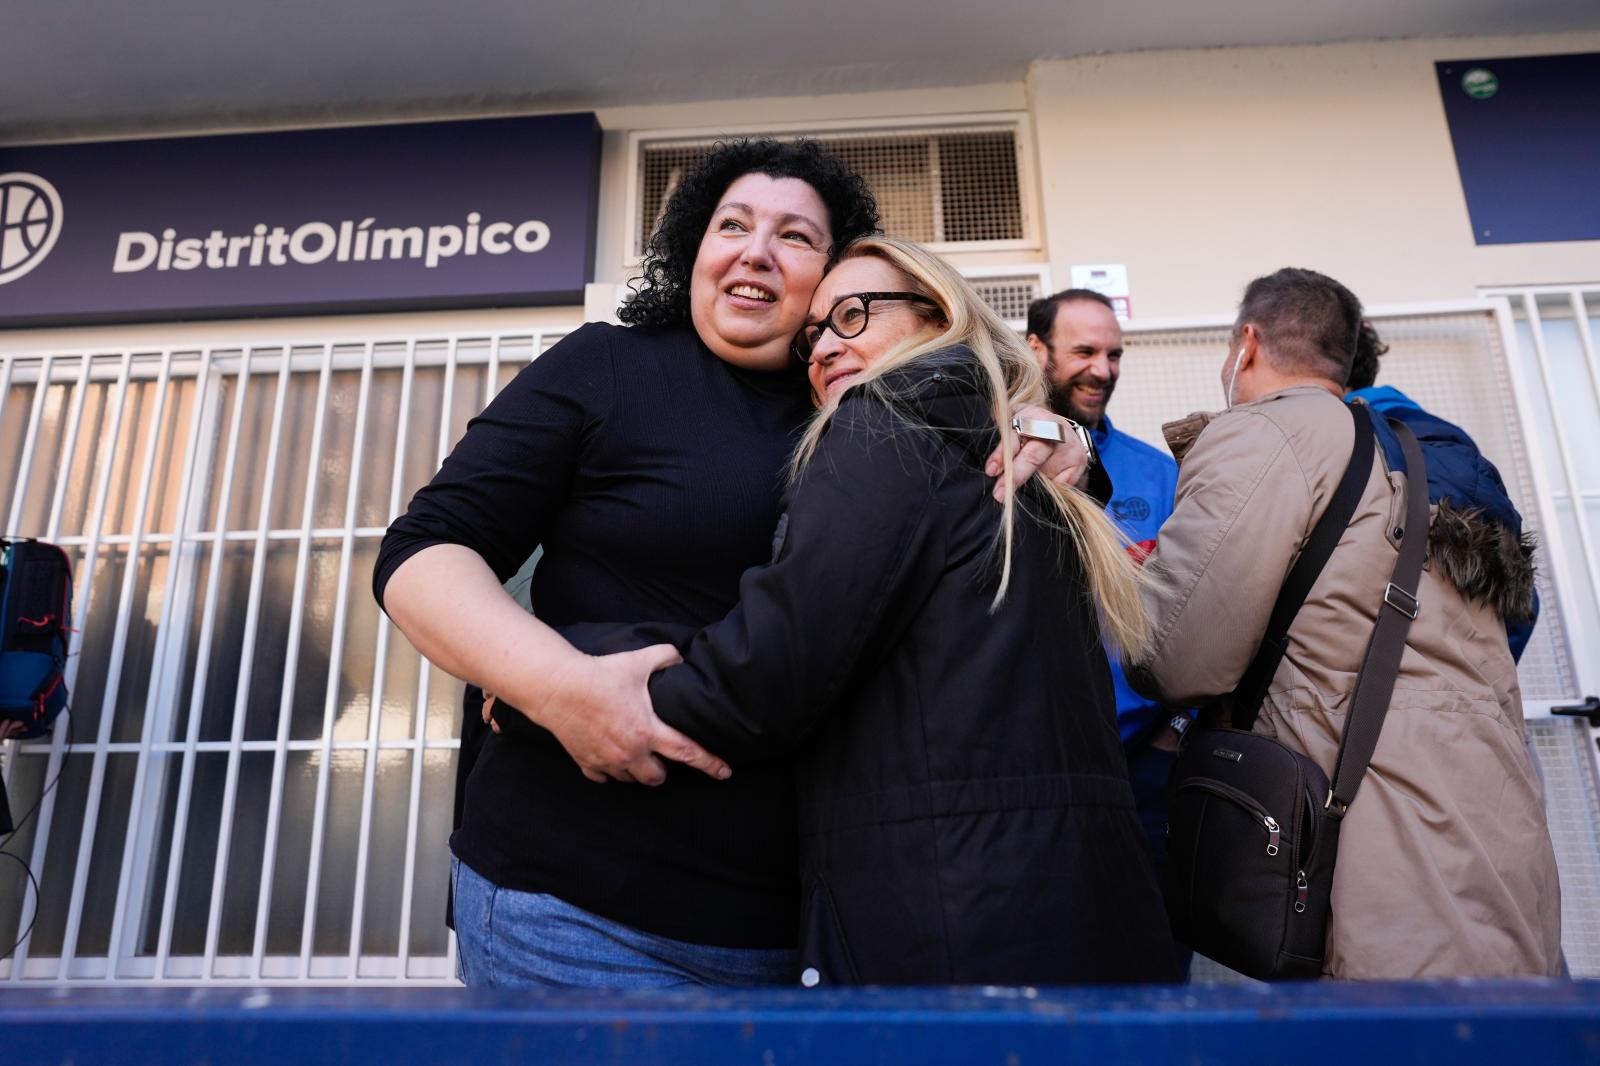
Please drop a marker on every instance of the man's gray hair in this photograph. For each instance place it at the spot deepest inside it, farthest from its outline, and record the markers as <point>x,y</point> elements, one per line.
<point>1308,322</point>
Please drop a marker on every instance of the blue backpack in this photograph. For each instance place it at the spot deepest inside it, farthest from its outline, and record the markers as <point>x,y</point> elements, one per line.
<point>35,612</point>
<point>1459,473</point>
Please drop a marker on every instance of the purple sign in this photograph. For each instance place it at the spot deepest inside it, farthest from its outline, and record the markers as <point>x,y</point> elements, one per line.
<point>1524,133</point>
<point>476,213</point>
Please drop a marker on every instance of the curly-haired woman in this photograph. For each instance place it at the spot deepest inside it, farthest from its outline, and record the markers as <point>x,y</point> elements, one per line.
<point>648,462</point>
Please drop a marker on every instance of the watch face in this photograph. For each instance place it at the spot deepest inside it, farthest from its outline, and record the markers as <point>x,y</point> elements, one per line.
<point>1087,440</point>
<point>1038,429</point>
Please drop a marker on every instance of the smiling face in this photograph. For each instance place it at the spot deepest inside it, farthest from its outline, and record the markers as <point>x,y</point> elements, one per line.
<point>835,360</point>
<point>759,262</point>
<point>1081,359</point>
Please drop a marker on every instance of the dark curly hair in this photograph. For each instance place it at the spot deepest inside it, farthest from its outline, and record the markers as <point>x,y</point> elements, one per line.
<point>1364,368</point>
<point>660,295</point>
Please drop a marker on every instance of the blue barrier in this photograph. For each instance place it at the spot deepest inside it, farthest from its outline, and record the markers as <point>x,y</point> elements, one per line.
<point>1462,1023</point>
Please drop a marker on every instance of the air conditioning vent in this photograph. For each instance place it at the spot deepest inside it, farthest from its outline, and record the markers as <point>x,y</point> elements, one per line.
<point>1009,291</point>
<point>951,187</point>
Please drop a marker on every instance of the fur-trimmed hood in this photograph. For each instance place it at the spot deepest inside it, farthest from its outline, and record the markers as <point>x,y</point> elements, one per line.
<point>1483,559</point>
<point>1476,539</point>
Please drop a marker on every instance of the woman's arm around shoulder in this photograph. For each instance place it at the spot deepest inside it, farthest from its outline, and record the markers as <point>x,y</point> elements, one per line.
<point>860,546</point>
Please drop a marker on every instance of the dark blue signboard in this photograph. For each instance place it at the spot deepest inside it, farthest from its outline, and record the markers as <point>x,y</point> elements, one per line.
<point>426,215</point>
<point>1525,133</point>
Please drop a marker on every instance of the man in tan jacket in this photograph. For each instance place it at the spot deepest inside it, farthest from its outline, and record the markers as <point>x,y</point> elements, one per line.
<point>1445,867</point>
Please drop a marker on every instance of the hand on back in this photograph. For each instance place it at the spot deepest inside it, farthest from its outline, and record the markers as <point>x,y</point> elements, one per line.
<point>600,712</point>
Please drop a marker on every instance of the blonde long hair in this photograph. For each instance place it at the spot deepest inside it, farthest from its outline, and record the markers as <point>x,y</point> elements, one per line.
<point>1013,376</point>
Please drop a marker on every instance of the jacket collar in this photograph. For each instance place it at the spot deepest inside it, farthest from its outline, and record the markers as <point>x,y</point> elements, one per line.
<point>1181,434</point>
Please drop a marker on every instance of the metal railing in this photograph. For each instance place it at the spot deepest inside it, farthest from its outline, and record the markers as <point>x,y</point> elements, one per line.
<point>166,851</point>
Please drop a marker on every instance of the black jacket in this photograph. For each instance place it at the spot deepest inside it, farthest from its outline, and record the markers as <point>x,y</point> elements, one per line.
<point>964,810</point>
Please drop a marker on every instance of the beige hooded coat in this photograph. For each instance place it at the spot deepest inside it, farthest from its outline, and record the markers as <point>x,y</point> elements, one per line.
<point>1445,867</point>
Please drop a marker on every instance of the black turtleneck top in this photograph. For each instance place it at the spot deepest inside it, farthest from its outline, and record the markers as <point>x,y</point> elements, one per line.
<point>651,472</point>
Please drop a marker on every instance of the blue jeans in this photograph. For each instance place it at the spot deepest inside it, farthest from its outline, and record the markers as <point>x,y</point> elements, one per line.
<point>510,939</point>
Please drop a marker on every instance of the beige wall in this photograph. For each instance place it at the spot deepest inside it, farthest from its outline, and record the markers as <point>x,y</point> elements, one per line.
<point>1202,169</point>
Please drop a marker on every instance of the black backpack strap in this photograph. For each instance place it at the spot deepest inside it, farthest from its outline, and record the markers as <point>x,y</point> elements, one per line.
<point>1369,703</point>
<point>1245,702</point>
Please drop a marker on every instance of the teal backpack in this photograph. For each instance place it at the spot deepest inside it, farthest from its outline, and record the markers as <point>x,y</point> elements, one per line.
<point>35,620</point>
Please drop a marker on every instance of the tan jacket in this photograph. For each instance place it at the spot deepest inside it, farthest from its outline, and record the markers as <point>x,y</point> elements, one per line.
<point>1445,866</point>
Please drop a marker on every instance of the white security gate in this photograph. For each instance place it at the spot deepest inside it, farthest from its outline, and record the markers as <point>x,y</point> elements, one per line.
<point>1460,360</point>
<point>1558,330</point>
<point>260,773</point>
<point>256,778</point>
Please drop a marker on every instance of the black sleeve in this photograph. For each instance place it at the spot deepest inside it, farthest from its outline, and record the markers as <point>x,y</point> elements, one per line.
<point>861,548</point>
<point>1099,485</point>
<point>508,477</point>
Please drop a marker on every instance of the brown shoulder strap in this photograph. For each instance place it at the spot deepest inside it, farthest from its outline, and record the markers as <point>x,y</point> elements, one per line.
<point>1369,703</point>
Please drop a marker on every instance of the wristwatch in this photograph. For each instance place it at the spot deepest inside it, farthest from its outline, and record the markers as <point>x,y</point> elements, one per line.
<point>1050,430</point>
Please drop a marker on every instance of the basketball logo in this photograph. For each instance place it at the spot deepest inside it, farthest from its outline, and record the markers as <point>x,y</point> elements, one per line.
<point>30,222</point>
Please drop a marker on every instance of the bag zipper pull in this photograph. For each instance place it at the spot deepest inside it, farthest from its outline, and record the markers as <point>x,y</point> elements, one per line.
<point>1302,890</point>
<point>1272,834</point>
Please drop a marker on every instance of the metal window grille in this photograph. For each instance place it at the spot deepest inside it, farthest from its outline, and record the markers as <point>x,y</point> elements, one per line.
<point>1007,290</point>
<point>261,771</point>
<point>1458,361</point>
<point>1010,293</point>
<point>947,187</point>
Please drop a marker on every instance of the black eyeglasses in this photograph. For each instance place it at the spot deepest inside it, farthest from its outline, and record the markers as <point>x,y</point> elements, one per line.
<point>848,317</point>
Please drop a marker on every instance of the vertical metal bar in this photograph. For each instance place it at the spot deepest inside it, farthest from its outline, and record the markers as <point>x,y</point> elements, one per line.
<point>29,442</point>
<point>68,449</point>
<point>106,452</point>
<point>58,739</point>
<point>1570,472</point>
<point>380,664</point>
<point>419,745</point>
<point>936,188</point>
<point>363,849</point>
<point>491,388</point>
<point>7,365</point>
<point>162,694</point>
<point>1580,319</point>
<point>291,665</point>
<point>241,701</point>
<point>491,385</point>
<point>113,686</point>
<point>348,549</point>
<point>19,497</point>
<point>202,667</point>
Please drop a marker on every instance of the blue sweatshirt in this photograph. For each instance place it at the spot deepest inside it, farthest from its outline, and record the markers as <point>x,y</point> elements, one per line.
<point>1145,480</point>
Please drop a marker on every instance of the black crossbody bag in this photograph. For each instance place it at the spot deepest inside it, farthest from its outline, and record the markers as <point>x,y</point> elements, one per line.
<point>1253,826</point>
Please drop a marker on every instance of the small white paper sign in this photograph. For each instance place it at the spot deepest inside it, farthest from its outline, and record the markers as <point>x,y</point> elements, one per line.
<point>1109,280</point>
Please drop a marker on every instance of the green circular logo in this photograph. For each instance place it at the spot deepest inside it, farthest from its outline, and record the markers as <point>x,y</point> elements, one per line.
<point>1480,84</point>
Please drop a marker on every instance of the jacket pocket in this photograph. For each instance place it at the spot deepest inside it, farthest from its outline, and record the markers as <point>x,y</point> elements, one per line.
<point>823,947</point>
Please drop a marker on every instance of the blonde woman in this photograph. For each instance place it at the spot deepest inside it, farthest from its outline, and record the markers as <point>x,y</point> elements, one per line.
<point>931,659</point>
